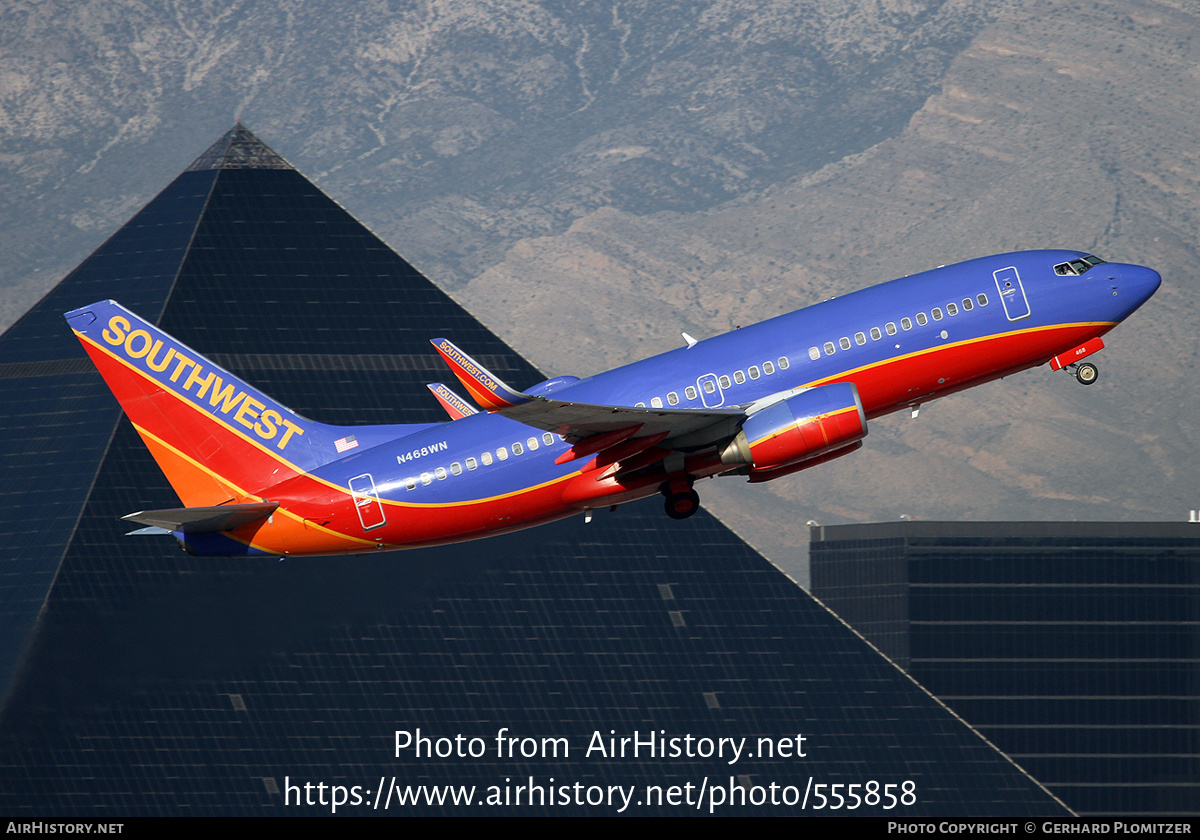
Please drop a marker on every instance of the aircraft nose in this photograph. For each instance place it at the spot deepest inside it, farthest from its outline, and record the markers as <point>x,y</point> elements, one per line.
<point>1132,285</point>
<point>1139,282</point>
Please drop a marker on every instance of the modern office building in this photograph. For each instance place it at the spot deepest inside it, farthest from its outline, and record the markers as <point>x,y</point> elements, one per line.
<point>139,680</point>
<point>1074,647</point>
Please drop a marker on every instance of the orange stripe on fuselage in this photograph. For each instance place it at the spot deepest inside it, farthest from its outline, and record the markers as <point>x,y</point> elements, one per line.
<point>894,383</point>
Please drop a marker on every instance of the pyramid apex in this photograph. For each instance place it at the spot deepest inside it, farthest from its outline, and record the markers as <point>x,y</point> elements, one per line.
<point>239,148</point>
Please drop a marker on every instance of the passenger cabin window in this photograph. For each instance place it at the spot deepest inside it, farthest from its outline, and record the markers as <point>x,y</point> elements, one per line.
<point>656,402</point>
<point>548,439</point>
<point>828,348</point>
<point>876,334</point>
<point>710,387</point>
<point>951,309</point>
<point>410,483</point>
<point>690,391</point>
<point>639,405</point>
<point>673,398</point>
<point>783,363</point>
<point>532,444</point>
<point>472,463</point>
<point>982,298</point>
<point>724,381</point>
<point>518,449</point>
<point>486,457</point>
<point>440,472</point>
<point>906,323</point>
<point>860,338</point>
<point>768,368</point>
<point>427,479</point>
<point>753,371</point>
<point>921,319</point>
<point>937,313</point>
<point>456,468</point>
<point>739,377</point>
<point>891,328</point>
<point>502,454</point>
<point>844,343</point>
<point>967,305</point>
<point>814,353</point>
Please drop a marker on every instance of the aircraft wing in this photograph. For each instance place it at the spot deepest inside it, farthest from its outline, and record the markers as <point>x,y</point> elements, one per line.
<point>577,422</point>
<point>621,431</point>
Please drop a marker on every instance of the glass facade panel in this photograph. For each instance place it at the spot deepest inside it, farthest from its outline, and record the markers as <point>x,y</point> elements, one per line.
<point>1074,647</point>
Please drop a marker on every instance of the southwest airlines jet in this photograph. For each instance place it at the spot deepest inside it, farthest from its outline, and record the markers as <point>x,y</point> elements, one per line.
<point>763,401</point>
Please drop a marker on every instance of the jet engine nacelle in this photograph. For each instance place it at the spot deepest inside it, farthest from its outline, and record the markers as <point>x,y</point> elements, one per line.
<point>800,428</point>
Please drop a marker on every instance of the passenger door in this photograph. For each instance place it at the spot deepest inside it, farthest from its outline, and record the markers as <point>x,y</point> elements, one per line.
<point>366,502</point>
<point>1012,293</point>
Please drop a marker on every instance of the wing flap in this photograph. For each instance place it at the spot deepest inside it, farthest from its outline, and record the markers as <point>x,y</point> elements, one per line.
<point>577,422</point>
<point>595,443</point>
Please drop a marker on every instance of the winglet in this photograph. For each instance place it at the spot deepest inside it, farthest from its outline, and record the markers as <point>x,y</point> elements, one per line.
<point>485,389</point>
<point>455,405</point>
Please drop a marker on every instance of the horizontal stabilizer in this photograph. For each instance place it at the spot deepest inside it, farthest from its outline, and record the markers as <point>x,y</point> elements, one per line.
<point>454,405</point>
<point>197,520</point>
<point>485,389</point>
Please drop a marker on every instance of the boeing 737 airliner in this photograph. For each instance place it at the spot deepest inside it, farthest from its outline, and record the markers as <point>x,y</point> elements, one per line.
<point>762,402</point>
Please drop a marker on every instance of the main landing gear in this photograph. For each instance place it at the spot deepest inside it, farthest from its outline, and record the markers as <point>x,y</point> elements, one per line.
<point>681,500</point>
<point>1085,372</point>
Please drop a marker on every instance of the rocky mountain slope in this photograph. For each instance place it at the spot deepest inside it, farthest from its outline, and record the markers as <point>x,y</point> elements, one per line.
<point>1035,140</point>
<point>593,180</point>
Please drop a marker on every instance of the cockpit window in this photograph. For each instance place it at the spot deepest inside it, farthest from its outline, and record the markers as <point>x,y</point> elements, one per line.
<point>1076,267</point>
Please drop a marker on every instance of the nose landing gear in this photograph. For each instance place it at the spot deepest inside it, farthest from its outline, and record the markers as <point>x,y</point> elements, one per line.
<point>1085,372</point>
<point>1071,362</point>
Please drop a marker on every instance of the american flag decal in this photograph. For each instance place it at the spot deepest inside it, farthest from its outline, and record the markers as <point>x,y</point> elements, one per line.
<point>348,442</point>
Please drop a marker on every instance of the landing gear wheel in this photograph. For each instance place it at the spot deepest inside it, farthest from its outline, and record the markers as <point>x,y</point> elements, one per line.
<point>1086,373</point>
<point>682,505</point>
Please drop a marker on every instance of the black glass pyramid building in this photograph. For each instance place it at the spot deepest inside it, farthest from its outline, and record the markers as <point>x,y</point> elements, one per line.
<point>139,680</point>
